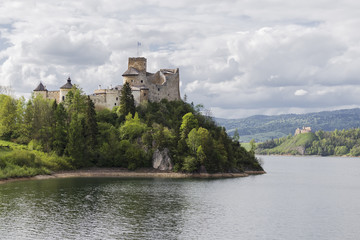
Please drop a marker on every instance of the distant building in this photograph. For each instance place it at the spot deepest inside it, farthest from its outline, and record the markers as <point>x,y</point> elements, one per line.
<point>145,86</point>
<point>303,130</point>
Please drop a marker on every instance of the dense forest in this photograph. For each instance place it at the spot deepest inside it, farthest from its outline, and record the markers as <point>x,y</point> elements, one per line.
<point>262,128</point>
<point>39,136</point>
<point>338,143</point>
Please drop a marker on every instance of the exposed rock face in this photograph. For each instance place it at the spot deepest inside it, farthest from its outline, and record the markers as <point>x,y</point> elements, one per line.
<point>301,150</point>
<point>162,160</point>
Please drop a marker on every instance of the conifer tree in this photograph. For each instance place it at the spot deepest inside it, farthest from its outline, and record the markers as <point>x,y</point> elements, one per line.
<point>26,129</point>
<point>60,135</point>
<point>127,102</point>
<point>90,129</point>
<point>76,145</point>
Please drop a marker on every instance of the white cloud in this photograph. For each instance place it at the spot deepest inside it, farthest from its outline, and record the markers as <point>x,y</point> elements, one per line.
<point>234,56</point>
<point>300,92</point>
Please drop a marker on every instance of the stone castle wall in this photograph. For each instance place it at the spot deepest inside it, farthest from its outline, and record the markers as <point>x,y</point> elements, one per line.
<point>55,95</point>
<point>136,81</point>
<point>106,98</point>
<point>165,85</point>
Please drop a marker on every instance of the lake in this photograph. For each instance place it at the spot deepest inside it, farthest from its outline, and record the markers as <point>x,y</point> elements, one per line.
<point>298,198</point>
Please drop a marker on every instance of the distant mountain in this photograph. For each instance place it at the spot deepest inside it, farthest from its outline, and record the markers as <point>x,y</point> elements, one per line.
<point>261,127</point>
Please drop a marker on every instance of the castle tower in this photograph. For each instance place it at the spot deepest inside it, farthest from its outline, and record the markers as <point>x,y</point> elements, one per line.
<point>65,89</point>
<point>41,90</point>
<point>145,86</point>
<point>138,63</point>
<point>135,75</point>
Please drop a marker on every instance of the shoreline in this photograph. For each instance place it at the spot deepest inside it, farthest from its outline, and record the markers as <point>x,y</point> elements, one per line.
<point>299,155</point>
<point>124,173</point>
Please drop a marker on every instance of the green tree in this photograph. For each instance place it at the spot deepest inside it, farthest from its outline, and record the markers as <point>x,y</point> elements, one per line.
<point>7,116</point>
<point>19,119</point>
<point>191,164</point>
<point>133,128</point>
<point>109,151</point>
<point>197,137</point>
<point>236,136</point>
<point>193,140</point>
<point>189,122</point>
<point>43,120</point>
<point>75,102</point>
<point>60,135</point>
<point>127,102</point>
<point>341,150</point>
<point>355,151</point>
<point>162,136</point>
<point>91,127</point>
<point>252,146</point>
<point>26,129</point>
<point>200,155</point>
<point>76,146</point>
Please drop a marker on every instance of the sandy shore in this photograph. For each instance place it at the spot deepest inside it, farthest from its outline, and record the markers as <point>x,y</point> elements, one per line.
<point>124,173</point>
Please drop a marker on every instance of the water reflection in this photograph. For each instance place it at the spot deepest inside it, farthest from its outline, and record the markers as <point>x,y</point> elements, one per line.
<point>97,208</point>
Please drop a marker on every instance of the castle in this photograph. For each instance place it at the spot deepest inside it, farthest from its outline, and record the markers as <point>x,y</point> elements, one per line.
<point>303,130</point>
<point>145,86</point>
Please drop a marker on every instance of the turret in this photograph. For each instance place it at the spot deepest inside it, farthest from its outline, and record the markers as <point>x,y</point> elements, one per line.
<point>65,89</point>
<point>41,90</point>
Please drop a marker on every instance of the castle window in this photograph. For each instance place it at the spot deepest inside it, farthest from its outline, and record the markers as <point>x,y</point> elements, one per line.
<point>115,104</point>
<point>63,98</point>
<point>132,80</point>
<point>144,94</point>
<point>117,98</point>
<point>141,81</point>
<point>158,89</point>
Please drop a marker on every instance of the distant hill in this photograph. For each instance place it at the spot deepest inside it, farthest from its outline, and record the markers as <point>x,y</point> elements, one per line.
<point>261,127</point>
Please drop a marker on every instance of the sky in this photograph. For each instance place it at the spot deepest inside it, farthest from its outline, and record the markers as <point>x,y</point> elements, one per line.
<point>236,57</point>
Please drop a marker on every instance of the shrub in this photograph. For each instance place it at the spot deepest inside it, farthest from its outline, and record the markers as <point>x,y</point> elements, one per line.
<point>2,163</point>
<point>341,150</point>
<point>355,151</point>
<point>21,158</point>
<point>190,164</point>
<point>35,145</point>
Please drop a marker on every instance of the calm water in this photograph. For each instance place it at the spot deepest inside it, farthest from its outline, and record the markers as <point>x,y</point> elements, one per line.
<point>299,198</point>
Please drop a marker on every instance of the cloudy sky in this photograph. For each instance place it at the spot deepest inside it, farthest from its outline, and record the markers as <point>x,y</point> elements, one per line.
<point>237,57</point>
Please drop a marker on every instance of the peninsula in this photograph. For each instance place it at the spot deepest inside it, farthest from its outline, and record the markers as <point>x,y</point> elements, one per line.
<point>68,130</point>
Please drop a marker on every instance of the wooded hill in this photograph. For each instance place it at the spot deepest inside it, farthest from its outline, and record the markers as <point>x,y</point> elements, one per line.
<point>262,128</point>
<point>337,143</point>
<point>39,136</point>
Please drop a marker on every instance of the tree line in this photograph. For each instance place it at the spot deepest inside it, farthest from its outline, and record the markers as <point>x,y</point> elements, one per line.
<point>125,136</point>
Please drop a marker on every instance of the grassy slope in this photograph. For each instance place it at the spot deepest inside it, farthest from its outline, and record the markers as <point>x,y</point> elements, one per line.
<point>17,161</point>
<point>247,146</point>
<point>294,145</point>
